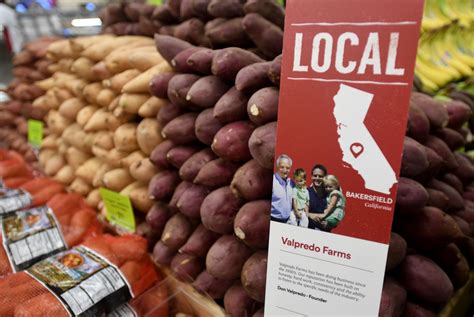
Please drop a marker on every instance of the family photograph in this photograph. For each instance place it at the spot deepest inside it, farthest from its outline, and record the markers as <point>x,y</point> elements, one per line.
<point>319,205</point>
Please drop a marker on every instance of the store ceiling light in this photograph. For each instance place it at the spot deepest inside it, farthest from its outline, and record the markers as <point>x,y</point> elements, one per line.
<point>86,22</point>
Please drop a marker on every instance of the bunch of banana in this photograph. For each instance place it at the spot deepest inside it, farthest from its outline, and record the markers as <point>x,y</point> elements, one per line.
<point>445,55</point>
<point>439,13</point>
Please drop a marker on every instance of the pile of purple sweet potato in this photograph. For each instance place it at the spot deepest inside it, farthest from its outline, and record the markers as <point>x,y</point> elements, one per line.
<point>215,179</point>
<point>215,166</point>
<point>256,25</point>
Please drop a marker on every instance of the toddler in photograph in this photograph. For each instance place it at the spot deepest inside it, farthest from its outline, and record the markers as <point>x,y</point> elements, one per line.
<point>299,214</point>
<point>334,212</point>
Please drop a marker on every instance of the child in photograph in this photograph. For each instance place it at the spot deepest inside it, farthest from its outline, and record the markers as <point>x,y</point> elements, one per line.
<point>334,212</point>
<point>299,214</point>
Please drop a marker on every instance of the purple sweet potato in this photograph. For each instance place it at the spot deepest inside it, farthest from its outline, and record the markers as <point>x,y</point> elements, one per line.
<point>191,200</point>
<point>262,144</point>
<point>178,88</point>
<point>213,23</point>
<point>216,173</point>
<point>274,72</point>
<point>254,275</point>
<point>253,77</point>
<point>434,109</point>
<point>193,164</point>
<point>162,254</point>
<point>212,286</point>
<point>133,11</point>
<point>186,267</point>
<point>435,164</point>
<point>158,155</point>
<point>226,63</point>
<point>179,62</point>
<point>168,112</point>
<point>201,61</point>
<point>411,195</point>
<point>463,225</point>
<point>414,160</point>
<point>269,9</point>
<point>226,258</point>
<point>467,213</point>
<point>174,6</point>
<point>148,27</point>
<point>414,310</point>
<point>393,298</point>
<point>157,216</point>
<point>179,154</point>
<point>231,141</point>
<point>181,129</point>
<point>397,251</point>
<point>180,189</point>
<point>437,199</point>
<point>458,113</point>
<point>452,138</point>
<point>425,280</point>
<point>177,231</point>
<point>252,223</point>
<point>263,106</point>
<point>429,229</point>
<point>169,46</point>
<point>158,86</point>
<point>418,126</point>
<point>456,201</point>
<point>186,10</point>
<point>164,14</point>
<point>453,181</point>
<point>163,184</point>
<point>207,126</point>
<point>237,302</point>
<point>226,9</point>
<point>252,182</point>
<point>207,91</point>
<point>232,106</point>
<point>199,242</point>
<point>191,31</point>
<point>146,231</point>
<point>465,169</point>
<point>218,210</point>
<point>467,248</point>
<point>167,30</point>
<point>228,33</point>
<point>447,257</point>
<point>459,274</point>
<point>199,9</point>
<point>266,36</point>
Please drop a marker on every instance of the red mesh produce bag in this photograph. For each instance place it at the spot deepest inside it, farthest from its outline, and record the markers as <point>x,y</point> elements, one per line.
<point>23,295</point>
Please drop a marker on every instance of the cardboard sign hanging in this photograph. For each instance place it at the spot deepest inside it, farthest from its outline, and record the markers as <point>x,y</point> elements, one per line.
<point>346,79</point>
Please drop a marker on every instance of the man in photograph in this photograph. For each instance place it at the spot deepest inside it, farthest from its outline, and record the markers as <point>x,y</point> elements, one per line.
<point>282,190</point>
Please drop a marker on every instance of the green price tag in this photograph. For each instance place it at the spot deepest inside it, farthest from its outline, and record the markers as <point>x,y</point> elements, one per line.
<point>155,2</point>
<point>118,209</point>
<point>35,133</point>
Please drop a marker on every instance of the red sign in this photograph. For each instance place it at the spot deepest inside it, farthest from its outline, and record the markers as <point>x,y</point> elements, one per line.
<point>346,79</point>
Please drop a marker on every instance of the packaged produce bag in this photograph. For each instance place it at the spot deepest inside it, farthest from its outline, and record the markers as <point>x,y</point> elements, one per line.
<point>32,234</point>
<point>89,280</point>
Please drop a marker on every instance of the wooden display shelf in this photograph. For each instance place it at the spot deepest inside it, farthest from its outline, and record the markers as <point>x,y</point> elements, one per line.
<point>461,301</point>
